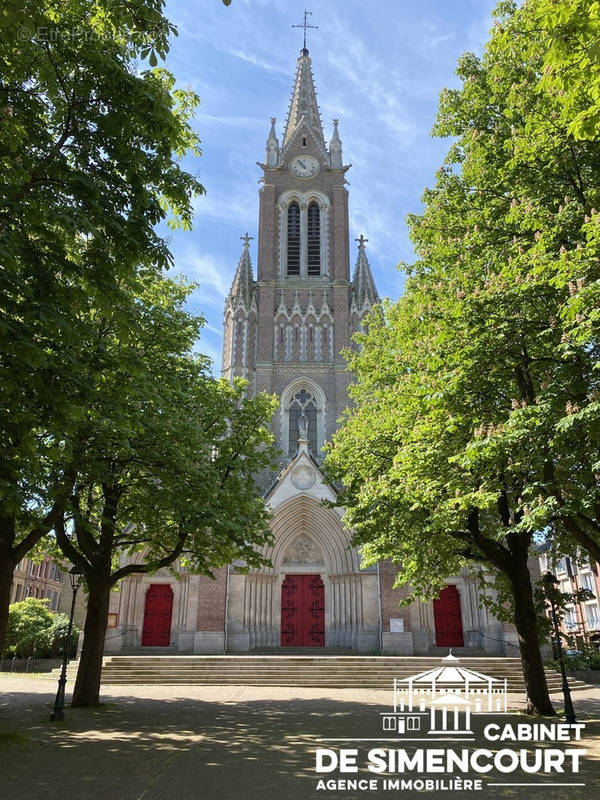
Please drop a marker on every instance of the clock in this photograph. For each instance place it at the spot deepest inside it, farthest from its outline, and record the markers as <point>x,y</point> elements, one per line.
<point>304,166</point>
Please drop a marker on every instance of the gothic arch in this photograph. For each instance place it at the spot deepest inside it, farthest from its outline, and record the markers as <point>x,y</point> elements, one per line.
<point>303,199</point>
<point>305,515</point>
<point>287,397</point>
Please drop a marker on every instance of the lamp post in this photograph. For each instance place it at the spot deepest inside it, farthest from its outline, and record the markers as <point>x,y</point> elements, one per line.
<point>76,576</point>
<point>550,582</point>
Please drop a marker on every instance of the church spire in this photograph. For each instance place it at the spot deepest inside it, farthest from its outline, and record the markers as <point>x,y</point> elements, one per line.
<point>303,106</point>
<point>365,292</point>
<point>241,288</point>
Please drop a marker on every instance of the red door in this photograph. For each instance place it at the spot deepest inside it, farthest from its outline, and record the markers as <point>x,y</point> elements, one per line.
<point>157,616</point>
<point>448,620</point>
<point>302,611</point>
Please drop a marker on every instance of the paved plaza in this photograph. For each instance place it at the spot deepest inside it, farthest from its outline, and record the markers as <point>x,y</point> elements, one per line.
<point>151,742</point>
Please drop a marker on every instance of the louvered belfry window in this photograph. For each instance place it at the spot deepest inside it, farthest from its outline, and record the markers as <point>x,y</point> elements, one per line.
<point>314,239</point>
<point>293,239</point>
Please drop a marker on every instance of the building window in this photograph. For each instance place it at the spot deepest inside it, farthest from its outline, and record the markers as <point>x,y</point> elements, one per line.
<point>18,592</point>
<point>302,415</point>
<point>314,239</point>
<point>592,616</point>
<point>570,619</point>
<point>587,582</point>
<point>293,239</point>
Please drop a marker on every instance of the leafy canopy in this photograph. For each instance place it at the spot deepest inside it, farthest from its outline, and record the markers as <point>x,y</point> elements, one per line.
<point>477,418</point>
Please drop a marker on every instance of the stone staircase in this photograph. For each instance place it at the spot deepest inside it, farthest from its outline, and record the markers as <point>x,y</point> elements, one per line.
<point>316,671</point>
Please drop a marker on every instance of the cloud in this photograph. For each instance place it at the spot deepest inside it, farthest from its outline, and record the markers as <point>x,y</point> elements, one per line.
<point>251,58</point>
<point>211,275</point>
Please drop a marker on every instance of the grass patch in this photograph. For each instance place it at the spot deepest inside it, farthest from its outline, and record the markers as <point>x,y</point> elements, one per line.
<point>13,737</point>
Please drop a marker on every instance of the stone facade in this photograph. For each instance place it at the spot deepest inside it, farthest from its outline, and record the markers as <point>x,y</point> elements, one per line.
<point>284,332</point>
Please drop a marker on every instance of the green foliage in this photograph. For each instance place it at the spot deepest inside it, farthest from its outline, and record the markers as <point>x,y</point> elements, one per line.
<point>164,461</point>
<point>570,35</point>
<point>587,658</point>
<point>90,158</point>
<point>33,630</point>
<point>477,414</point>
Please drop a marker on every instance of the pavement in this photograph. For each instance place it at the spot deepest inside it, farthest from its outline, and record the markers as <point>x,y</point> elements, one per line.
<point>230,742</point>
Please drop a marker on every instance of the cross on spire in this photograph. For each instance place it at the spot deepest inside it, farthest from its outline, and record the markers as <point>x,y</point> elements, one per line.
<point>246,239</point>
<point>305,25</point>
<point>361,241</point>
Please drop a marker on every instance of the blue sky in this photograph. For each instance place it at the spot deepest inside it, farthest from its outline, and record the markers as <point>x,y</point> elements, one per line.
<point>378,66</point>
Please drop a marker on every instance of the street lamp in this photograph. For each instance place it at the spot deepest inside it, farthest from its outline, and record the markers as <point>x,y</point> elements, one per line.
<point>76,576</point>
<point>550,582</point>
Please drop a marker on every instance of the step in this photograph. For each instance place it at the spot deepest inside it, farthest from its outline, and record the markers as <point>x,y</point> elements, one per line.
<point>315,670</point>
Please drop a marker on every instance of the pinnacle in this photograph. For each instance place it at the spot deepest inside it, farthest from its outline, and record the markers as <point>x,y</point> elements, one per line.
<point>303,105</point>
<point>242,286</point>
<point>364,285</point>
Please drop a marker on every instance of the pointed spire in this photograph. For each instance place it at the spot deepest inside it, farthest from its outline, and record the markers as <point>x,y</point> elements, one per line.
<point>304,106</point>
<point>364,285</point>
<point>272,155</point>
<point>335,147</point>
<point>243,281</point>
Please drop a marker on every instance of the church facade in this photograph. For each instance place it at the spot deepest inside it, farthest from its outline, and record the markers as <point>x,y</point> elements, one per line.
<point>284,331</point>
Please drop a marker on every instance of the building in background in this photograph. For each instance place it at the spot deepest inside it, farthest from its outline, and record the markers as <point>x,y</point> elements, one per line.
<point>41,579</point>
<point>582,619</point>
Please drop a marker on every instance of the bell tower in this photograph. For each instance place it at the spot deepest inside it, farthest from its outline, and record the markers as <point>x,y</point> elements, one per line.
<point>285,330</point>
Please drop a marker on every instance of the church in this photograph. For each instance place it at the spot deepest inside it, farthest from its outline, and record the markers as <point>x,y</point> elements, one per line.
<point>284,330</point>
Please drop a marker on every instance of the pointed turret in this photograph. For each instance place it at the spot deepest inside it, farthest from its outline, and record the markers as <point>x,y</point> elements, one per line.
<point>272,154</point>
<point>242,286</point>
<point>365,293</point>
<point>304,107</point>
<point>239,320</point>
<point>335,148</point>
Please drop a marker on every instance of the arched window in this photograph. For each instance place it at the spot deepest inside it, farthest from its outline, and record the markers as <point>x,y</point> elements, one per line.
<point>293,239</point>
<point>314,239</point>
<point>302,415</point>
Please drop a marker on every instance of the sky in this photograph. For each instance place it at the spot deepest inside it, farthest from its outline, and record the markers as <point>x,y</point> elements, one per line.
<point>378,65</point>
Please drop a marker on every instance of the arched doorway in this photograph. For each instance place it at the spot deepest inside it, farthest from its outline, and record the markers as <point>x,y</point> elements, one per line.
<point>302,611</point>
<point>157,616</point>
<point>448,619</point>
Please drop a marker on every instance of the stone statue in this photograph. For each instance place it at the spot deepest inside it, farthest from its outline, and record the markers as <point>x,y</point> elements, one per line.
<point>303,426</point>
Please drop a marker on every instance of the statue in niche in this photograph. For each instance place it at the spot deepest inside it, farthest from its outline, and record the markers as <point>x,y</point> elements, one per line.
<point>303,426</point>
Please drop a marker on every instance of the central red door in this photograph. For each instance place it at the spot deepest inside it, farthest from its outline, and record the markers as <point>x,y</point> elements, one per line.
<point>448,619</point>
<point>157,616</point>
<point>302,611</point>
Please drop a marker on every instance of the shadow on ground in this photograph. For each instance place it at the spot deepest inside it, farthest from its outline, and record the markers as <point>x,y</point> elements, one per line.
<point>135,747</point>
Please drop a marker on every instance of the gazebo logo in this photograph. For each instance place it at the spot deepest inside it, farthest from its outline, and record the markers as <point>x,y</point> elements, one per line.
<point>442,694</point>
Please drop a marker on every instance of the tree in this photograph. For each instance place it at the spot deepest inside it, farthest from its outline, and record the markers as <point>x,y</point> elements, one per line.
<point>570,37</point>
<point>163,464</point>
<point>89,158</point>
<point>33,630</point>
<point>410,490</point>
<point>477,424</point>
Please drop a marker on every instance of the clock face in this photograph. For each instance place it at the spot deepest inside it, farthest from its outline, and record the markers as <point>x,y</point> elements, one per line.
<point>304,166</point>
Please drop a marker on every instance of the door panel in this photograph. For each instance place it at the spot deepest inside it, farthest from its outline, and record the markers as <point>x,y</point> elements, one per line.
<point>157,616</point>
<point>302,611</point>
<point>448,619</point>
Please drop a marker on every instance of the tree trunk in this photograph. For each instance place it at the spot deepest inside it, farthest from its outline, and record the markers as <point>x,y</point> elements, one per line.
<point>536,686</point>
<point>89,673</point>
<point>6,577</point>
